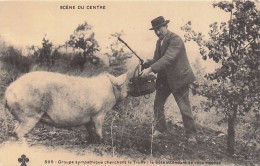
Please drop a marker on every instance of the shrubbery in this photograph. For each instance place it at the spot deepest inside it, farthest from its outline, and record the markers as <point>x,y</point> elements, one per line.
<point>77,58</point>
<point>82,61</point>
<point>233,89</point>
<point>13,64</point>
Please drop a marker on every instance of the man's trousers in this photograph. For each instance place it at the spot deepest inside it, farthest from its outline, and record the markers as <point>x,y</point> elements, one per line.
<point>182,98</point>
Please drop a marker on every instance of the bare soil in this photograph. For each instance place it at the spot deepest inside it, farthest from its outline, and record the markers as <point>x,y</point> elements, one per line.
<point>127,138</point>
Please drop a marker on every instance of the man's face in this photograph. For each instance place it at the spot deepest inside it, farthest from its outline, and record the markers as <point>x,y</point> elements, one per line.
<point>161,31</point>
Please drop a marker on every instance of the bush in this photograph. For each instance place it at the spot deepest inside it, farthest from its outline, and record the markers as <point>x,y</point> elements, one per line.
<point>15,61</point>
<point>13,64</point>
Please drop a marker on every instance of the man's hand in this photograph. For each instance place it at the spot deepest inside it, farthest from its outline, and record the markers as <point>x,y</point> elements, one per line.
<point>146,71</point>
<point>145,65</point>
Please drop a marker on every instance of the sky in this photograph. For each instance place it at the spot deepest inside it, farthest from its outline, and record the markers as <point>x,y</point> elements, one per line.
<point>25,23</point>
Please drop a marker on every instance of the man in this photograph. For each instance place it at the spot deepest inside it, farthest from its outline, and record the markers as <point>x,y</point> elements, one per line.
<point>174,75</point>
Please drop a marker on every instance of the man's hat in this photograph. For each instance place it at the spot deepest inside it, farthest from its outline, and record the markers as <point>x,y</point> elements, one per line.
<point>157,22</point>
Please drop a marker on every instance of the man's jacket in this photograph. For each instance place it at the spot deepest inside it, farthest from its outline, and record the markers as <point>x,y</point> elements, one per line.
<point>171,63</point>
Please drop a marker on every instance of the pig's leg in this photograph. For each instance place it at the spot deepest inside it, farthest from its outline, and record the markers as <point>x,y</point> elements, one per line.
<point>90,126</point>
<point>98,121</point>
<point>27,123</point>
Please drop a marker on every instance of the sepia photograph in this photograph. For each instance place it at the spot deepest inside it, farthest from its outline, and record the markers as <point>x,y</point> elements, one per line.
<point>172,82</point>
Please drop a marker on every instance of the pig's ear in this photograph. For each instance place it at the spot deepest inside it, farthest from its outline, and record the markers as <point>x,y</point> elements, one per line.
<point>120,80</point>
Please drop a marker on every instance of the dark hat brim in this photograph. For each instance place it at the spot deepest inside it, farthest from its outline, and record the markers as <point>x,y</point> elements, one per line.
<point>155,27</point>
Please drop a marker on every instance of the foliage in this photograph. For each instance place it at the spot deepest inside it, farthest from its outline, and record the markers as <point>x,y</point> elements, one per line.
<point>234,89</point>
<point>13,57</point>
<point>198,70</point>
<point>132,126</point>
<point>117,50</point>
<point>117,55</point>
<point>12,64</point>
<point>44,55</point>
<point>80,61</point>
<point>83,40</point>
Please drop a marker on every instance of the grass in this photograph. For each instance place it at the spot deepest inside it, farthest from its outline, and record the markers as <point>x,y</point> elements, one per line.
<point>127,129</point>
<point>130,136</point>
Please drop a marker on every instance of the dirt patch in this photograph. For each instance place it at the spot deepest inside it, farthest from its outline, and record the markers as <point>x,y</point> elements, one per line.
<point>131,143</point>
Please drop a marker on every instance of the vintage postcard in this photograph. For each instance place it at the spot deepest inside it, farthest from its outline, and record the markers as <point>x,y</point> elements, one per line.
<point>129,83</point>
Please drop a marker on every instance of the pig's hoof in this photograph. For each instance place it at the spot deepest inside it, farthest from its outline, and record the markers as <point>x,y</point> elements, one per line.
<point>13,137</point>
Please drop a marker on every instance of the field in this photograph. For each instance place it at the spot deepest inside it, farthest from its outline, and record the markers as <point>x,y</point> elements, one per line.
<point>127,135</point>
<point>127,129</point>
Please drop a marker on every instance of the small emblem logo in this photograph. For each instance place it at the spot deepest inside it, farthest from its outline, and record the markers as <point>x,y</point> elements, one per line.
<point>23,160</point>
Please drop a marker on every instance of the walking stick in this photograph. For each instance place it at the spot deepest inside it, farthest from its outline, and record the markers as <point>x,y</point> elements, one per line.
<point>140,59</point>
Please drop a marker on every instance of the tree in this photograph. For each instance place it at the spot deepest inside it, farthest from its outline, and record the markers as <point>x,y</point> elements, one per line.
<point>199,71</point>
<point>84,39</point>
<point>117,54</point>
<point>234,88</point>
<point>44,53</point>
